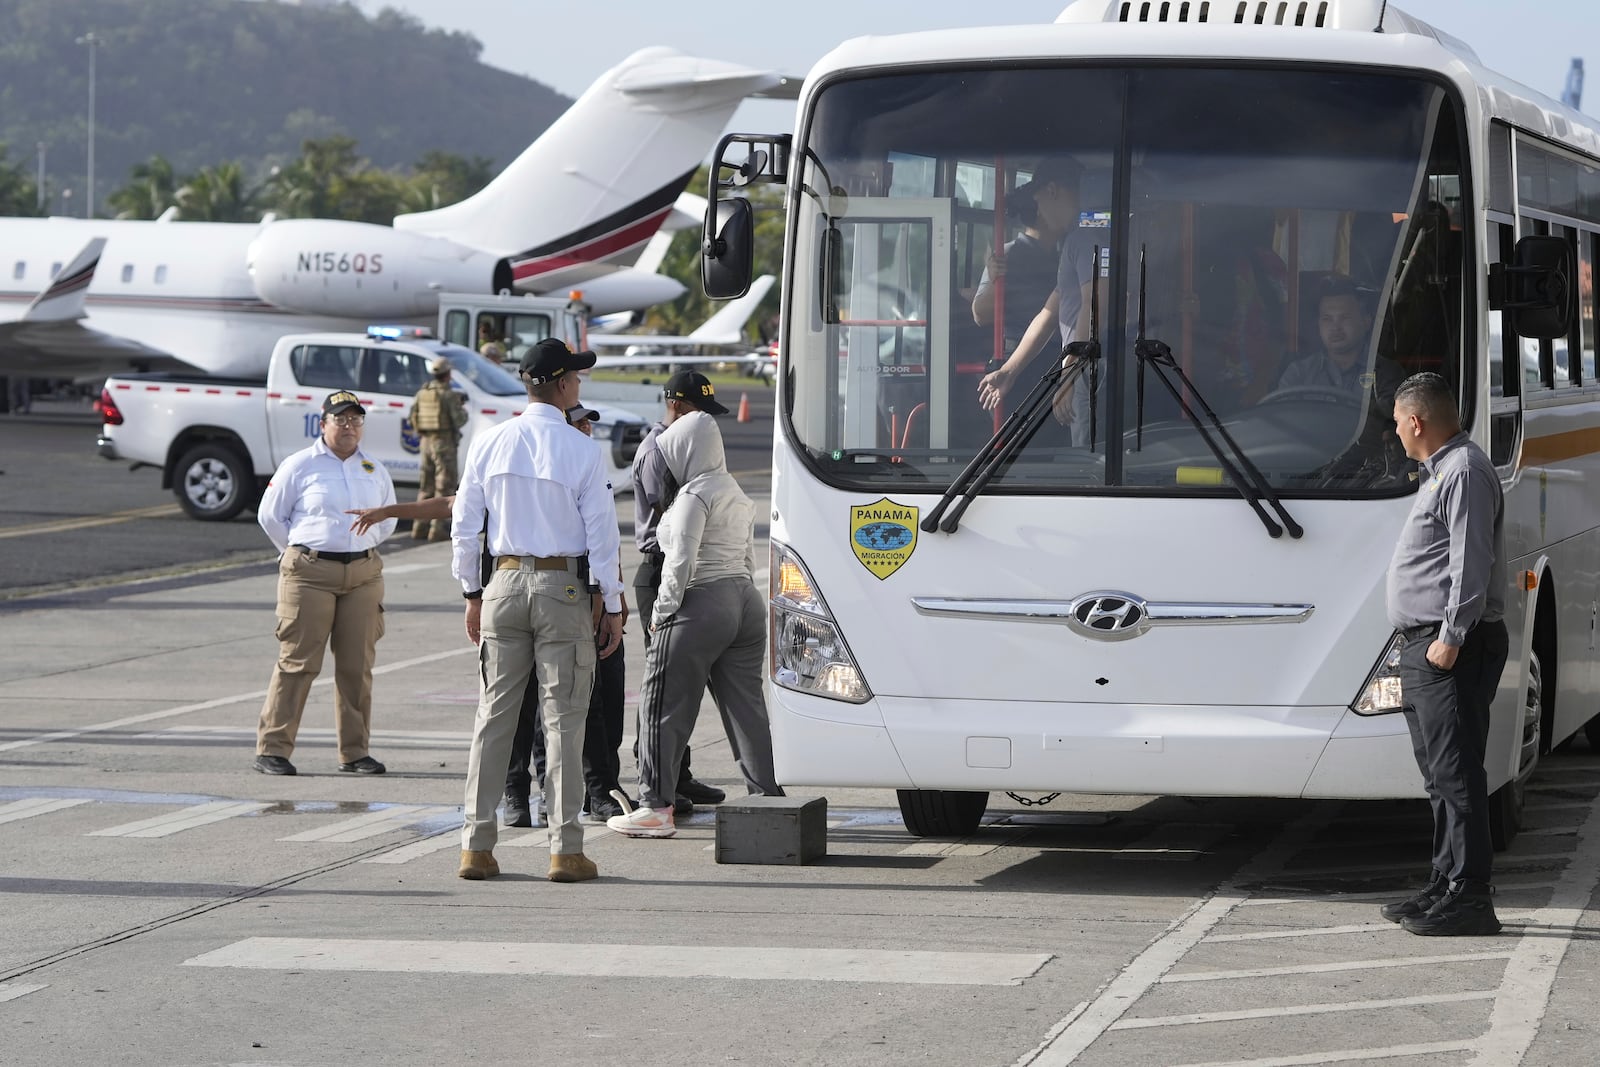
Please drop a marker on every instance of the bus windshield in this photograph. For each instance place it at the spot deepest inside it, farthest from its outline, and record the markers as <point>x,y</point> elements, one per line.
<point>1295,237</point>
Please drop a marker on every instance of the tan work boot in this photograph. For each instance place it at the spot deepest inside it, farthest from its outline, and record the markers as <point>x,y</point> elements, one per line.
<point>419,531</point>
<point>572,867</point>
<point>476,866</point>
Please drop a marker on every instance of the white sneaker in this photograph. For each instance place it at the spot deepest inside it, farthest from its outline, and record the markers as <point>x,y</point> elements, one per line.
<point>644,822</point>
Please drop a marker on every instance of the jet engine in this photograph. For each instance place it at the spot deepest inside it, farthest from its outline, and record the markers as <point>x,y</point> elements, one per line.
<point>361,271</point>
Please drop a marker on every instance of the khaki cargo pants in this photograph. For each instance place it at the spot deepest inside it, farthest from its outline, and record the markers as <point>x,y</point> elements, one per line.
<point>321,603</point>
<point>535,616</point>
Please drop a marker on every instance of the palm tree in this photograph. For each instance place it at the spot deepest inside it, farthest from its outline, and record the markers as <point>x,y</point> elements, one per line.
<point>218,194</point>
<point>151,189</point>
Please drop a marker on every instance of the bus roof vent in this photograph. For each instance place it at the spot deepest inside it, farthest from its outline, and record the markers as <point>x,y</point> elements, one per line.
<point>1238,12</point>
<point>1361,15</point>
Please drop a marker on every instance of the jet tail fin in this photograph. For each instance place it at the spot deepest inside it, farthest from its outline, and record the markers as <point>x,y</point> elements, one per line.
<point>726,327</point>
<point>62,301</point>
<point>591,190</point>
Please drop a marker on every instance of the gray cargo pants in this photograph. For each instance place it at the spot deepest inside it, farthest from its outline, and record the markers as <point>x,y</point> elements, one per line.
<point>719,634</point>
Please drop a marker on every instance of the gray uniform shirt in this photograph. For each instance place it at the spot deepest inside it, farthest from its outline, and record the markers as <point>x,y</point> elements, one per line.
<point>649,484</point>
<point>1450,564</point>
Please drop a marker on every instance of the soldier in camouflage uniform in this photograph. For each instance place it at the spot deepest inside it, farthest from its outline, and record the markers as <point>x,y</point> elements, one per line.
<point>437,414</point>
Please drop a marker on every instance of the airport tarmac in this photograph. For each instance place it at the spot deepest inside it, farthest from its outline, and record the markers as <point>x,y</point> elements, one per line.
<point>160,903</point>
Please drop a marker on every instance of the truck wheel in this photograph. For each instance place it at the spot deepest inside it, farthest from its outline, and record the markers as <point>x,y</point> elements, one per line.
<point>212,482</point>
<point>941,812</point>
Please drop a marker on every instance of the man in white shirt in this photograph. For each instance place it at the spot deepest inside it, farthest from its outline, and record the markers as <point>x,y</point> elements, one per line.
<point>538,488</point>
<point>330,586</point>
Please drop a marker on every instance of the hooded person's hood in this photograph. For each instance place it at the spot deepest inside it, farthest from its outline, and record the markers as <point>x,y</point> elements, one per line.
<point>692,447</point>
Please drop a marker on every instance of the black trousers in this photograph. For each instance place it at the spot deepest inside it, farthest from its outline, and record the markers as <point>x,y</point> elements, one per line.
<point>1448,715</point>
<point>602,734</point>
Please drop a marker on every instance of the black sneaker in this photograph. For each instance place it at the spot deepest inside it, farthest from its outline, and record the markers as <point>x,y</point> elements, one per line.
<point>682,805</point>
<point>274,765</point>
<point>515,811</point>
<point>1467,910</point>
<point>602,808</point>
<point>698,792</point>
<point>364,765</point>
<point>1419,904</point>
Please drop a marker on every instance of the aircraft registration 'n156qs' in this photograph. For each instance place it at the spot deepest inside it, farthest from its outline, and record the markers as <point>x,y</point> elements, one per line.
<point>573,210</point>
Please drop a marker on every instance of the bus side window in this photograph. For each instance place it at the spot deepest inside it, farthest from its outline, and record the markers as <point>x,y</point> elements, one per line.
<point>1538,372</point>
<point>1504,377</point>
<point>1588,245</point>
<point>1564,367</point>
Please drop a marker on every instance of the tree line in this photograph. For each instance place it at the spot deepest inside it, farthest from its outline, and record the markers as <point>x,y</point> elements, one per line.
<point>329,179</point>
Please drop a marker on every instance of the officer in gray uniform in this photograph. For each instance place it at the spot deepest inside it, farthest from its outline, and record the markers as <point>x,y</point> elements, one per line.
<point>1446,596</point>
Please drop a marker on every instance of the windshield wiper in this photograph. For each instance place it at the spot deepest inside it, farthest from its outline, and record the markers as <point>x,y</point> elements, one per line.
<point>1023,423</point>
<point>1253,488</point>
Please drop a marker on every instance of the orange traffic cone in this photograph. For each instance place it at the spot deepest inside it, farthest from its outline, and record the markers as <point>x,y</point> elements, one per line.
<point>744,407</point>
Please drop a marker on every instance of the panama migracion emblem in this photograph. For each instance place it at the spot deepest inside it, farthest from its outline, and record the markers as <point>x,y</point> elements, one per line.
<point>883,535</point>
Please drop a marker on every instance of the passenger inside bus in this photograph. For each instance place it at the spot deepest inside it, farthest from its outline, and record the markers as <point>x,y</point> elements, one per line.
<point>1055,192</point>
<point>1027,265</point>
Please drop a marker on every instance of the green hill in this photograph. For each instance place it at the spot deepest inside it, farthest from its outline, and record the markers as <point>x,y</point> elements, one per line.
<point>202,82</point>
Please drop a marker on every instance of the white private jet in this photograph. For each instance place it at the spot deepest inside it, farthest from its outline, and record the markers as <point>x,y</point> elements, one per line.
<point>724,329</point>
<point>572,211</point>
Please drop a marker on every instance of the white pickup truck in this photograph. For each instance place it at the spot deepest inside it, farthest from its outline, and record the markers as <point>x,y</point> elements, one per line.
<point>218,440</point>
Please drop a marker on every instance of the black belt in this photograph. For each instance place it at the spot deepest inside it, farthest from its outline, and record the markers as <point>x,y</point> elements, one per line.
<point>1427,629</point>
<point>334,557</point>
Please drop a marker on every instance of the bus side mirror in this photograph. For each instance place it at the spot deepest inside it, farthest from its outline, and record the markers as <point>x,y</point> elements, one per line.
<point>728,255</point>
<point>1537,292</point>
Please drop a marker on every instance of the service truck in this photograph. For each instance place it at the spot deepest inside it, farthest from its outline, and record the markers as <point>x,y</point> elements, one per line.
<point>218,440</point>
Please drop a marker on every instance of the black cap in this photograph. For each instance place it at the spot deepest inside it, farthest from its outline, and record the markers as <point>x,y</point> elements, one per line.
<point>577,413</point>
<point>1062,171</point>
<point>696,389</point>
<point>343,400</point>
<point>550,359</point>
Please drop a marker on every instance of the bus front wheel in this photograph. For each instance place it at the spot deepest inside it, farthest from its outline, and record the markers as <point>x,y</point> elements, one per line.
<point>941,812</point>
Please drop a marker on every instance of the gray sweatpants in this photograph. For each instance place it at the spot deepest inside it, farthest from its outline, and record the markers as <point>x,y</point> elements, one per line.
<point>719,634</point>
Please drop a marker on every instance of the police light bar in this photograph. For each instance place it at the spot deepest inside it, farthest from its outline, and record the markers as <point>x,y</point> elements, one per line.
<point>399,333</point>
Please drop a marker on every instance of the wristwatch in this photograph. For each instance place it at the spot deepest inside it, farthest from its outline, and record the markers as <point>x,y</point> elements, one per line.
<point>476,594</point>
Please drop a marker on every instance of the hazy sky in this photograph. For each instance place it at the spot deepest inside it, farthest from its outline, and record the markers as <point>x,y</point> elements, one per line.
<point>566,45</point>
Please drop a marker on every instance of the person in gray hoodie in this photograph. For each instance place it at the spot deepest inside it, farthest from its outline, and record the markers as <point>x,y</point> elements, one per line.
<point>709,624</point>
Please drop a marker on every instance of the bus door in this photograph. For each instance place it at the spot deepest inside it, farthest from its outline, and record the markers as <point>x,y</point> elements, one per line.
<point>876,319</point>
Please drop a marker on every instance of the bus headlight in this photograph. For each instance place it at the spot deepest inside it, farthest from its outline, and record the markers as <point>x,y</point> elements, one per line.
<point>1381,695</point>
<point>808,651</point>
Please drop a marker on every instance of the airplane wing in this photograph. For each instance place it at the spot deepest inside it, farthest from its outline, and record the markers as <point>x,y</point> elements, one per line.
<point>662,359</point>
<point>725,328</point>
<point>62,301</point>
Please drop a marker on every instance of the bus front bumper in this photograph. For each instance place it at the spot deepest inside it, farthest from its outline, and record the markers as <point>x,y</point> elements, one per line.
<point>1182,750</point>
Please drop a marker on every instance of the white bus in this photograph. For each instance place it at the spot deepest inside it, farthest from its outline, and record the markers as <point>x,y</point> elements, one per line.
<point>1178,605</point>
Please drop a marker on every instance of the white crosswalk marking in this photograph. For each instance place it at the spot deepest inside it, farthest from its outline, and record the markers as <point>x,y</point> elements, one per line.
<point>1320,968</point>
<point>541,838</point>
<point>1144,1022</point>
<point>11,990</point>
<point>426,847</point>
<point>28,807</point>
<point>364,826</point>
<point>628,961</point>
<point>319,737</point>
<point>184,819</point>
